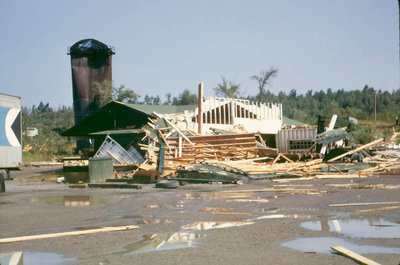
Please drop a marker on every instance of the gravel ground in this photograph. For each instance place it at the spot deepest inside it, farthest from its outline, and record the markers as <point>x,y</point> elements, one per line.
<point>263,221</point>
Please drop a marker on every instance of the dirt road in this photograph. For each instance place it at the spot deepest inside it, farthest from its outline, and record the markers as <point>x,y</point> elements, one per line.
<point>263,222</point>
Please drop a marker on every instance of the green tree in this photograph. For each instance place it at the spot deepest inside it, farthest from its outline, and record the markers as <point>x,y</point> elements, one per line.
<point>185,98</point>
<point>264,79</point>
<point>124,94</point>
<point>169,99</point>
<point>101,92</point>
<point>227,89</point>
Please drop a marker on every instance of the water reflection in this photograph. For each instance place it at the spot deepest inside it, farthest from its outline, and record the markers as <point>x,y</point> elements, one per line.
<point>219,195</point>
<point>215,224</point>
<point>323,244</point>
<point>357,228</point>
<point>155,221</point>
<point>45,258</point>
<point>158,242</point>
<point>78,200</point>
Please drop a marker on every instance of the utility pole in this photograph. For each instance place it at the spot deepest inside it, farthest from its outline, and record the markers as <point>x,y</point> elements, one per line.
<point>200,111</point>
<point>374,106</point>
<point>374,92</point>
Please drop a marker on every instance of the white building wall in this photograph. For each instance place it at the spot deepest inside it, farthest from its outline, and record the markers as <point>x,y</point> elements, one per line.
<point>228,113</point>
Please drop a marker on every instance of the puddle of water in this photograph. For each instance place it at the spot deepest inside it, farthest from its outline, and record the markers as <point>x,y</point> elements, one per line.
<point>155,221</point>
<point>78,200</point>
<point>215,224</point>
<point>158,242</point>
<point>136,216</point>
<point>357,228</point>
<point>219,195</point>
<point>323,244</point>
<point>279,216</point>
<point>45,258</point>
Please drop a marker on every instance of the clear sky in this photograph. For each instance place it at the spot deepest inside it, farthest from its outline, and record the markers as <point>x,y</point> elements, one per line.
<point>166,46</point>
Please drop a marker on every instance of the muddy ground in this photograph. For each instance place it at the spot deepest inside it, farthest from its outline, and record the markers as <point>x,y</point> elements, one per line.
<point>268,223</point>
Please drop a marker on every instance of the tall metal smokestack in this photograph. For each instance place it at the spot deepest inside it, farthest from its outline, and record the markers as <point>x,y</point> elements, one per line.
<point>91,61</point>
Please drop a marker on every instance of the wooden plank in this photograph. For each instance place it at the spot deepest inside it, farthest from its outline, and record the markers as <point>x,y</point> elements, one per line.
<point>285,157</point>
<point>73,233</point>
<point>338,176</point>
<point>235,145</point>
<point>218,137</point>
<point>361,204</point>
<point>276,159</point>
<point>174,141</point>
<point>379,209</point>
<point>165,141</point>
<point>357,257</point>
<point>174,127</point>
<point>356,150</point>
<point>330,128</point>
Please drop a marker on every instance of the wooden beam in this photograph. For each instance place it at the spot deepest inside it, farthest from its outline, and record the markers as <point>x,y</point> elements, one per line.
<point>200,109</point>
<point>330,128</point>
<point>276,159</point>
<point>356,150</point>
<point>362,204</point>
<point>74,233</point>
<point>379,209</point>
<point>357,257</point>
<point>165,141</point>
<point>285,157</point>
<point>175,128</point>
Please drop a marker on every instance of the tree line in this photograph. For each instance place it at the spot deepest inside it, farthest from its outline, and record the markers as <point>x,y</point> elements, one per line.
<point>358,103</point>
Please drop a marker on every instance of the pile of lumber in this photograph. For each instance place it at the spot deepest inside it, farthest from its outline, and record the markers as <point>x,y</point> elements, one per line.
<point>212,147</point>
<point>181,152</point>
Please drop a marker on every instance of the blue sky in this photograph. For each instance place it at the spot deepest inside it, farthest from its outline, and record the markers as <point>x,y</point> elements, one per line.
<point>166,46</point>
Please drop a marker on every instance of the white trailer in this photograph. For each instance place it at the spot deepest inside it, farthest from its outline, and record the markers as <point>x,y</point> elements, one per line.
<point>10,133</point>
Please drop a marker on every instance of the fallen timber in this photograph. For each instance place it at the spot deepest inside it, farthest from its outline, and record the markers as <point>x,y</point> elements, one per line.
<point>235,157</point>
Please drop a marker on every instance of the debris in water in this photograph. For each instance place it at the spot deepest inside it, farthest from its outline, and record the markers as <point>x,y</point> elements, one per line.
<point>357,228</point>
<point>323,244</point>
<point>215,224</point>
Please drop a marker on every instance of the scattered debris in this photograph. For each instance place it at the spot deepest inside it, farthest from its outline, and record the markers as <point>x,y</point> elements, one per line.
<point>215,224</point>
<point>74,233</point>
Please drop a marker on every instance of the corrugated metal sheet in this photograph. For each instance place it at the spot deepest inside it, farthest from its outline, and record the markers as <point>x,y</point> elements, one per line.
<point>303,133</point>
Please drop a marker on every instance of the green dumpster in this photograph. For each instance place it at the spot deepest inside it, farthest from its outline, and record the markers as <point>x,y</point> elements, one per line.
<point>100,169</point>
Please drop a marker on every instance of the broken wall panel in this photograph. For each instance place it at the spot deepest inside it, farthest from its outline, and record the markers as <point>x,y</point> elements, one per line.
<point>110,148</point>
<point>297,139</point>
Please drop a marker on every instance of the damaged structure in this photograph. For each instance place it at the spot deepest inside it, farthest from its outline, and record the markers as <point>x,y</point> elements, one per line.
<point>220,139</point>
